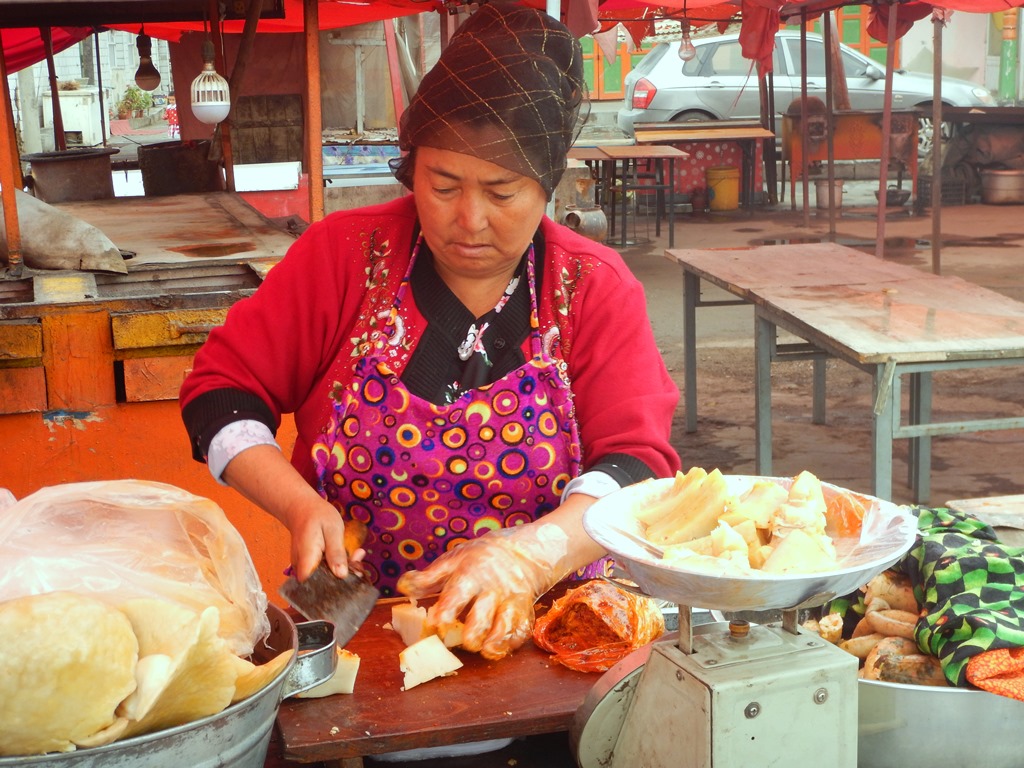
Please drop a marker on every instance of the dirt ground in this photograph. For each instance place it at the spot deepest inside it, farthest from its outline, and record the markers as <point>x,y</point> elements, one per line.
<point>839,451</point>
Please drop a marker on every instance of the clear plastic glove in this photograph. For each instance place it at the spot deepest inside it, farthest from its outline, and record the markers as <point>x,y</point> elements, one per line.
<point>498,577</point>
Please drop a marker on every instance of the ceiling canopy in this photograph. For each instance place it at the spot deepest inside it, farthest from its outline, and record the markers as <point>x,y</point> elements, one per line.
<point>169,19</point>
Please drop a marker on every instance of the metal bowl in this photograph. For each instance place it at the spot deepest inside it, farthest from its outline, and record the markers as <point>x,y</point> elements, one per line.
<point>888,532</point>
<point>915,725</point>
<point>894,198</point>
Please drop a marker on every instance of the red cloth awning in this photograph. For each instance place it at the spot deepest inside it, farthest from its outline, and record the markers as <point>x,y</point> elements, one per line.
<point>24,47</point>
<point>333,14</point>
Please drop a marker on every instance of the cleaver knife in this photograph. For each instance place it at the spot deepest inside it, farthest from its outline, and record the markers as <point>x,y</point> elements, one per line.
<point>323,596</point>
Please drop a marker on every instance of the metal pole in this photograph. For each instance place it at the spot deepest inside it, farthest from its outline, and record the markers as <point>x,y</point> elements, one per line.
<point>805,143</point>
<point>222,131</point>
<point>99,88</point>
<point>883,160</point>
<point>59,139</point>
<point>394,69</point>
<point>1008,58</point>
<point>10,175</point>
<point>314,111</point>
<point>937,23</point>
<point>829,127</point>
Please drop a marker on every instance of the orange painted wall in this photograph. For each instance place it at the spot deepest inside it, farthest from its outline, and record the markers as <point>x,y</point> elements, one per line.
<point>144,441</point>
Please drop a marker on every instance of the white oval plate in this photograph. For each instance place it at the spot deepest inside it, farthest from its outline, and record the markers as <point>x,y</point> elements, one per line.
<point>889,530</point>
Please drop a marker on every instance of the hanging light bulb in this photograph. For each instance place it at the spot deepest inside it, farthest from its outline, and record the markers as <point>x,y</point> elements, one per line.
<point>146,76</point>
<point>686,49</point>
<point>211,99</point>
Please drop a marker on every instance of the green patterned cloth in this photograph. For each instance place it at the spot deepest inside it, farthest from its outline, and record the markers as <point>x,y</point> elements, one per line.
<point>970,586</point>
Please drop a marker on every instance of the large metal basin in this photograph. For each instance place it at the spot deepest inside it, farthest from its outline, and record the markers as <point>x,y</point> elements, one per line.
<point>1002,186</point>
<point>902,726</point>
<point>73,174</point>
<point>237,737</point>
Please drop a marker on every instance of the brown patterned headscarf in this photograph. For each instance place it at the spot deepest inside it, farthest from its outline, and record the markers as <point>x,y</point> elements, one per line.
<point>508,89</point>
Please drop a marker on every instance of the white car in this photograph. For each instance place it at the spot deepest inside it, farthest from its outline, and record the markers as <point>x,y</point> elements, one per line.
<point>718,83</point>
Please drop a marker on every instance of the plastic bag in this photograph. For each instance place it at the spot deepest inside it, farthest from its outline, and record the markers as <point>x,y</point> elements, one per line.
<point>121,539</point>
<point>592,627</point>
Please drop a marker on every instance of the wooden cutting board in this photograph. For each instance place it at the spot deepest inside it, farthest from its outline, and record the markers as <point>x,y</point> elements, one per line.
<point>523,694</point>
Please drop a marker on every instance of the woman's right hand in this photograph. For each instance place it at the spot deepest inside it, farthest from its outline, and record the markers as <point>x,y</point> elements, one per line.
<point>264,476</point>
<point>318,531</point>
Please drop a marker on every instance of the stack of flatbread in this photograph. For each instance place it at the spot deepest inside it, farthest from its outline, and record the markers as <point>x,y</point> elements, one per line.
<point>78,672</point>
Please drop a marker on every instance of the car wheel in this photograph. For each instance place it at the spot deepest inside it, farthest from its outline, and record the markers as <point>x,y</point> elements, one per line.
<point>692,116</point>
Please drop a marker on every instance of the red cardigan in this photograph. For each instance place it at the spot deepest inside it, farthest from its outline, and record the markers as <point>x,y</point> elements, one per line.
<point>291,341</point>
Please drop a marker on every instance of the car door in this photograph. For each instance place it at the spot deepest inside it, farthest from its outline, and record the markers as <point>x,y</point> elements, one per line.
<point>815,67</point>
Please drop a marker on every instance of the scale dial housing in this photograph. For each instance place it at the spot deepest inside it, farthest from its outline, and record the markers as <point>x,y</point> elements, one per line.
<point>772,698</point>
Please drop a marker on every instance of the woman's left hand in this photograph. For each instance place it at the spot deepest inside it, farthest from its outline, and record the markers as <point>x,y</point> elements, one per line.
<point>499,577</point>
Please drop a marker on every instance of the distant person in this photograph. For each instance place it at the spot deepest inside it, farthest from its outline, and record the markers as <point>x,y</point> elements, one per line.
<point>171,116</point>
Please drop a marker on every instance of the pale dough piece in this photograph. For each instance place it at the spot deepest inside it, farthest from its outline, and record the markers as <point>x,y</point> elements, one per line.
<point>67,662</point>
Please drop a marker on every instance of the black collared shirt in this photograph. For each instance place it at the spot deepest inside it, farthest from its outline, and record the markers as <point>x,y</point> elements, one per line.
<point>435,371</point>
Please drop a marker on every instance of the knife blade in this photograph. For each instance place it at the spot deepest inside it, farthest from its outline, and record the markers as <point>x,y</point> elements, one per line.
<point>323,596</point>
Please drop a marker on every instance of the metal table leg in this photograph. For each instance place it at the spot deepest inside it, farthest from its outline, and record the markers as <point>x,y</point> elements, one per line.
<point>691,294</point>
<point>624,197</point>
<point>670,197</point>
<point>920,450</point>
<point>886,416</point>
<point>764,340</point>
<point>818,366</point>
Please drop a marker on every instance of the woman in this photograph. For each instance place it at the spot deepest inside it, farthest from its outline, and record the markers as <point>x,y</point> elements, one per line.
<point>457,364</point>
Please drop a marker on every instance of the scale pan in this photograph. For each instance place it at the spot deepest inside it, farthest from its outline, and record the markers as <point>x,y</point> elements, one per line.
<point>889,531</point>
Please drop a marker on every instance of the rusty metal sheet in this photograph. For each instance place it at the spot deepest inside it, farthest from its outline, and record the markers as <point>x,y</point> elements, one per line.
<point>183,327</point>
<point>194,228</point>
<point>22,390</point>
<point>21,341</point>
<point>154,378</point>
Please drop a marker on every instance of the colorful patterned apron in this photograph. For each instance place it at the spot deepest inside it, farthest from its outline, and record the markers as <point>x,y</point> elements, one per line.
<point>425,477</point>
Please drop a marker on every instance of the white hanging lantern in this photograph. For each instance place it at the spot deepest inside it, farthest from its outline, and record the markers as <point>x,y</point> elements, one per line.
<point>211,97</point>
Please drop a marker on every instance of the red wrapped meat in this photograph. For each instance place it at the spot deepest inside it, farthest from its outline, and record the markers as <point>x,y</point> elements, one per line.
<point>592,627</point>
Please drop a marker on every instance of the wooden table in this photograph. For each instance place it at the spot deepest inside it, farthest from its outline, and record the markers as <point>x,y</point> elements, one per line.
<point>886,319</point>
<point>522,695</point>
<point>746,136</point>
<point>620,173</point>
<point>1004,513</point>
<point>596,160</point>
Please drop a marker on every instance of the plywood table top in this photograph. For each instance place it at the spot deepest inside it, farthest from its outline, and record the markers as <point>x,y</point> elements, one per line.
<point>873,310</point>
<point>718,133</point>
<point>643,152</point>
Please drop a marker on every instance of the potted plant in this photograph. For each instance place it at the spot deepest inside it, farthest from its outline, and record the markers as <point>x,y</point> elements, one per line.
<point>134,102</point>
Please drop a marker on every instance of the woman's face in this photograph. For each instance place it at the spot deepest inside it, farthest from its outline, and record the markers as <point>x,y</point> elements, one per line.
<point>477,217</point>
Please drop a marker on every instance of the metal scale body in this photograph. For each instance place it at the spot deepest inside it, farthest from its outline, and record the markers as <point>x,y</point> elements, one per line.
<point>729,694</point>
<point>724,695</point>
